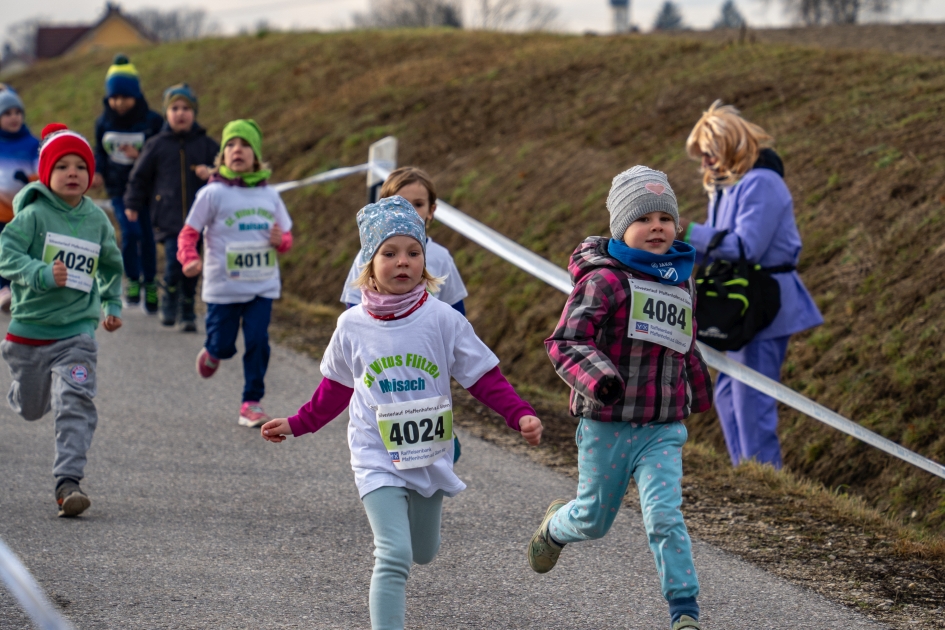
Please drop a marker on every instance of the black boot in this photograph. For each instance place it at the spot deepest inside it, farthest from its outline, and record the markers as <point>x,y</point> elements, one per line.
<point>169,306</point>
<point>188,318</point>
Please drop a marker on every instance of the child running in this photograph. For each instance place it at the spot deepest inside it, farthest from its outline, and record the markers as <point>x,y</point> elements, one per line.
<point>60,254</point>
<point>120,133</point>
<point>19,152</point>
<point>245,224</point>
<point>172,167</point>
<point>392,357</point>
<point>414,185</point>
<point>626,347</point>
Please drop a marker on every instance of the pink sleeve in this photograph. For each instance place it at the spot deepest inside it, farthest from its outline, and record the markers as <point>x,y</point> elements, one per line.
<point>187,245</point>
<point>327,403</point>
<point>496,393</point>
<point>286,243</point>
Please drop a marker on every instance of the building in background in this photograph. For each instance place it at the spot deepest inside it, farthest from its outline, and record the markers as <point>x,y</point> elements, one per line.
<point>113,30</point>
<point>621,10</point>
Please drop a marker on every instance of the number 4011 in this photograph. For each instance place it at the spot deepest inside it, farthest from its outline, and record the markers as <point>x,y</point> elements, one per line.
<point>411,431</point>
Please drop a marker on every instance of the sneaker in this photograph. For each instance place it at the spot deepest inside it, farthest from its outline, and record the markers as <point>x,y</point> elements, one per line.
<point>133,293</point>
<point>6,296</point>
<point>252,415</point>
<point>188,318</point>
<point>686,622</point>
<point>70,498</point>
<point>169,305</point>
<point>542,551</point>
<point>150,298</point>
<point>207,364</point>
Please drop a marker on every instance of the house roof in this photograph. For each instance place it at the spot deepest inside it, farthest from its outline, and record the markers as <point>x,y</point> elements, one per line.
<point>52,41</point>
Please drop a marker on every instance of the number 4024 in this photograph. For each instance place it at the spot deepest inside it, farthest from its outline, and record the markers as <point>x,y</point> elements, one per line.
<point>411,431</point>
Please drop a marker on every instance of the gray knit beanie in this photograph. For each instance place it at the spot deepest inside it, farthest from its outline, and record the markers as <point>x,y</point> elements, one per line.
<point>9,99</point>
<point>637,192</point>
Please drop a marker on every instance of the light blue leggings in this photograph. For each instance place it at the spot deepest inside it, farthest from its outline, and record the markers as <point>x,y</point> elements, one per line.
<point>609,453</point>
<point>406,529</point>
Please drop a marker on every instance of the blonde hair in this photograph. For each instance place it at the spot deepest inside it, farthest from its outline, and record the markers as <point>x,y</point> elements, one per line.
<point>404,176</point>
<point>736,143</point>
<point>366,278</point>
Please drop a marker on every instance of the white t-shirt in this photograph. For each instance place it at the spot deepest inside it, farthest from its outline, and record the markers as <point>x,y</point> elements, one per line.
<point>439,263</point>
<point>374,358</point>
<point>239,220</point>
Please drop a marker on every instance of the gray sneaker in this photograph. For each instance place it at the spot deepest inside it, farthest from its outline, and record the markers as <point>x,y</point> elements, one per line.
<point>542,551</point>
<point>686,622</point>
<point>71,500</point>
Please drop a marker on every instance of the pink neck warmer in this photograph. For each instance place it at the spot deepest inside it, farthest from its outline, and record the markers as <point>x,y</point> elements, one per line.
<point>391,306</point>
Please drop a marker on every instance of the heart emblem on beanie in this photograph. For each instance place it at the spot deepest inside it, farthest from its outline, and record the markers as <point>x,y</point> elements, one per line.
<point>656,189</point>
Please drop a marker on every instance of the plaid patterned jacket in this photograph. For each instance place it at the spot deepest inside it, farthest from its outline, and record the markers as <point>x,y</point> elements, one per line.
<point>614,378</point>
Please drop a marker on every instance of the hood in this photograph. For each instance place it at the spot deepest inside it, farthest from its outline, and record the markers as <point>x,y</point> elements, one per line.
<point>770,160</point>
<point>195,131</point>
<point>137,114</point>
<point>590,255</point>
<point>37,190</point>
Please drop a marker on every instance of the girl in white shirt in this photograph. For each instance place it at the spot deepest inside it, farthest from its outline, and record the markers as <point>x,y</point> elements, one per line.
<point>392,357</point>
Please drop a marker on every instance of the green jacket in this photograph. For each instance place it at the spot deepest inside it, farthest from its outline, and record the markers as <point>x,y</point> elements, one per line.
<point>40,309</point>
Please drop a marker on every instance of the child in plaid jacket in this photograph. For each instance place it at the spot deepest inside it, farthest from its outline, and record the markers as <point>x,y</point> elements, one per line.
<point>626,347</point>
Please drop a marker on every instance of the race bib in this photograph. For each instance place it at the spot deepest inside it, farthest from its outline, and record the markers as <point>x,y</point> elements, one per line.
<point>80,258</point>
<point>250,262</point>
<point>113,141</point>
<point>661,314</point>
<point>418,432</point>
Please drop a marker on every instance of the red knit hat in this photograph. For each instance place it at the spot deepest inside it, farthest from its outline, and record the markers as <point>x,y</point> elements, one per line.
<point>59,141</point>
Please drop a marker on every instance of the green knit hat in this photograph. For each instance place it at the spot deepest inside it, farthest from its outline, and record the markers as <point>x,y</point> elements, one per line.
<point>246,129</point>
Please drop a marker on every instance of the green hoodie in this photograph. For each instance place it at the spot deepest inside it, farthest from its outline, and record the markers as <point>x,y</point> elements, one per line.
<point>40,309</point>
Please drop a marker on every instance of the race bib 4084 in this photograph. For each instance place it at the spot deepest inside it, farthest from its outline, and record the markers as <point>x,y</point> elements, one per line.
<point>661,314</point>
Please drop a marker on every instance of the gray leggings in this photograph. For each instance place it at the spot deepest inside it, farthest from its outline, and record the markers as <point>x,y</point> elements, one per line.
<point>58,377</point>
<point>406,529</point>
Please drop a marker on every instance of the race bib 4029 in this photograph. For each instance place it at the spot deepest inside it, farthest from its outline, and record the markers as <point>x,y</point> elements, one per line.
<point>418,432</point>
<point>79,256</point>
<point>661,314</point>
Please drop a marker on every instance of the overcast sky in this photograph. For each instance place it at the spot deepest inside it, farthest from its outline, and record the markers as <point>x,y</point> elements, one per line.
<point>574,15</point>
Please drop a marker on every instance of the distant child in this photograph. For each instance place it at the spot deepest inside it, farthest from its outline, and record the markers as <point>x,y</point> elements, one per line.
<point>19,152</point>
<point>626,347</point>
<point>392,358</point>
<point>60,254</point>
<point>416,186</point>
<point>245,225</point>
<point>173,166</point>
<point>120,133</point>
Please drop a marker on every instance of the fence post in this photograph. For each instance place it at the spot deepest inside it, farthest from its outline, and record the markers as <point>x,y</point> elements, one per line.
<point>382,153</point>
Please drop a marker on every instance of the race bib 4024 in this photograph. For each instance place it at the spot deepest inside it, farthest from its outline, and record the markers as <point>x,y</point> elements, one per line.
<point>79,256</point>
<point>661,314</point>
<point>418,432</point>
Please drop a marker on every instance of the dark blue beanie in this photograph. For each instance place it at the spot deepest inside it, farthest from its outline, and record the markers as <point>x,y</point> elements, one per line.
<point>122,79</point>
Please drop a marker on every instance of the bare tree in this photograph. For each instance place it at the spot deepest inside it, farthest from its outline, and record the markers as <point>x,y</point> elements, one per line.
<point>669,18</point>
<point>730,17</point>
<point>176,24</point>
<point>816,12</point>
<point>410,13</point>
<point>527,15</point>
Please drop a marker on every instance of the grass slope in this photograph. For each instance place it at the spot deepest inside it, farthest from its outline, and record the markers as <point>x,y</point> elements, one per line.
<point>525,134</point>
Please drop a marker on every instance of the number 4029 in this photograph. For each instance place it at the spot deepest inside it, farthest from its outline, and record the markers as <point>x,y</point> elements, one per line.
<point>76,262</point>
<point>411,431</point>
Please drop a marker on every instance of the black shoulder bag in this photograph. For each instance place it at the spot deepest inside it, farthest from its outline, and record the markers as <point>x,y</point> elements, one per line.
<point>735,300</point>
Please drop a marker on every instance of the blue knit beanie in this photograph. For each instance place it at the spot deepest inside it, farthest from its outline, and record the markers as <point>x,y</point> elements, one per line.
<point>122,79</point>
<point>391,216</point>
<point>181,91</point>
<point>10,99</point>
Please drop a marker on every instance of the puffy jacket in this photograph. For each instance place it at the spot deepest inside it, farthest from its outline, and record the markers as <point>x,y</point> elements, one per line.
<point>163,179</point>
<point>591,349</point>
<point>112,131</point>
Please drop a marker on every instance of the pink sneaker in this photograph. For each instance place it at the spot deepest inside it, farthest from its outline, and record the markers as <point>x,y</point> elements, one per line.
<point>252,414</point>
<point>206,364</point>
<point>6,296</point>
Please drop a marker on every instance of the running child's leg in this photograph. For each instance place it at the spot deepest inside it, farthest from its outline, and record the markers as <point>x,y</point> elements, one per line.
<point>73,390</point>
<point>223,326</point>
<point>256,316</point>
<point>130,240</point>
<point>31,390</point>
<point>148,246</point>
<point>389,512</point>
<point>658,474</point>
<point>425,514</point>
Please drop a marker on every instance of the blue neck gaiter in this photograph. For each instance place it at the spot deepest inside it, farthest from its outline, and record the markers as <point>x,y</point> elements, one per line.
<point>673,267</point>
<point>22,133</point>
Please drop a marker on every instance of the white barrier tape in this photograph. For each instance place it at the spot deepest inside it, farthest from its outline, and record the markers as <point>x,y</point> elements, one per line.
<point>26,591</point>
<point>321,178</point>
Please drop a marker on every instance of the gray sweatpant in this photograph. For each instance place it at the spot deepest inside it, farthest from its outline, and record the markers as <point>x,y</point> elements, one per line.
<point>58,377</point>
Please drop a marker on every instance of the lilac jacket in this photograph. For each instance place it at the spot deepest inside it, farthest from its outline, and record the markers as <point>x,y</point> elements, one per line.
<point>759,210</point>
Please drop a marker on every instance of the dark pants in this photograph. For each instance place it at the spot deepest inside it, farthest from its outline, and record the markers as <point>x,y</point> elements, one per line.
<point>3,281</point>
<point>174,272</point>
<point>138,251</point>
<point>223,325</point>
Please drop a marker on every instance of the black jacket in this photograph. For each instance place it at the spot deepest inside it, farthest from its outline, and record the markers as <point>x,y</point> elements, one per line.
<point>111,131</point>
<point>163,179</point>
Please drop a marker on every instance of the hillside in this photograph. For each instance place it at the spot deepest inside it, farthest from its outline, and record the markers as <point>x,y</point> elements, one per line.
<point>526,132</point>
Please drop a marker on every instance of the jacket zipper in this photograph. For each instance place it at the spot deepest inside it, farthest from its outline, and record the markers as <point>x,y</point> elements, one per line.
<point>183,182</point>
<point>658,399</point>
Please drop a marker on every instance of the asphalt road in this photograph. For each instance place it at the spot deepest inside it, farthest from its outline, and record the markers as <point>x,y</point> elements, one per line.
<point>196,522</point>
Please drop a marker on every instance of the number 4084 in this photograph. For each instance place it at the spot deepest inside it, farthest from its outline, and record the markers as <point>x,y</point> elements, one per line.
<point>663,313</point>
<point>411,433</point>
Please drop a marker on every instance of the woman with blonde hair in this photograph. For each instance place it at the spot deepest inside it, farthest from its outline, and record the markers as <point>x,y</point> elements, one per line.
<point>750,211</point>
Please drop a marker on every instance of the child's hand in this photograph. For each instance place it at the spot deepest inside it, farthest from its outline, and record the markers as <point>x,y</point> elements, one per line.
<point>112,323</point>
<point>531,429</point>
<point>130,151</point>
<point>193,268</point>
<point>202,171</point>
<point>275,236</point>
<point>276,429</point>
<point>132,215</point>
<point>60,273</point>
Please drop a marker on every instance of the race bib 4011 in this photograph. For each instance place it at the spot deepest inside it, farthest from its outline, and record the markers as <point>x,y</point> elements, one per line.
<point>250,262</point>
<point>79,256</point>
<point>661,314</point>
<point>418,432</point>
